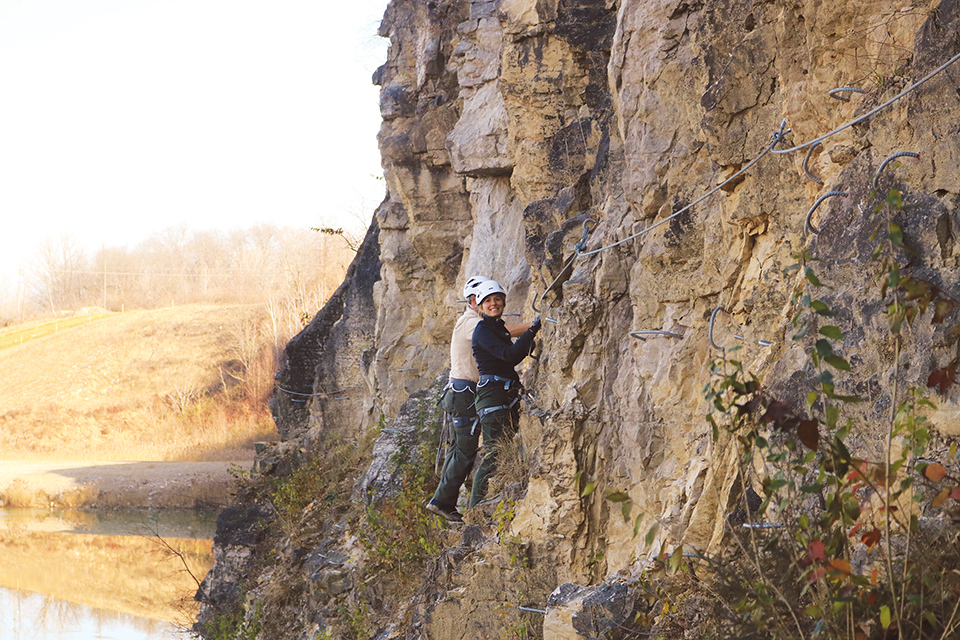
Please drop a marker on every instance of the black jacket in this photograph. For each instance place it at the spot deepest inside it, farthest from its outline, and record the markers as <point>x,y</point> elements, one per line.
<point>495,352</point>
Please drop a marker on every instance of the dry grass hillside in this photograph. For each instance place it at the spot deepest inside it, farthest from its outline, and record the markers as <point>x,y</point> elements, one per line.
<point>183,383</point>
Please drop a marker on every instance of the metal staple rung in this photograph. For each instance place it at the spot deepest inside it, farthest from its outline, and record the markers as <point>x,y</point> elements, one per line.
<point>806,159</point>
<point>543,611</point>
<point>644,334</point>
<point>762,525</point>
<point>777,139</point>
<point>837,93</point>
<point>407,369</point>
<point>807,225</point>
<point>873,111</point>
<point>891,158</point>
<point>713,317</point>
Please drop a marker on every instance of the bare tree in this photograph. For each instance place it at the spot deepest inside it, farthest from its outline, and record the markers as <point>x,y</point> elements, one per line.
<point>58,273</point>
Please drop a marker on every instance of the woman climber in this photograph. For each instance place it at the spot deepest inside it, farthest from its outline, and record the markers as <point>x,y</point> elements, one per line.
<point>498,391</point>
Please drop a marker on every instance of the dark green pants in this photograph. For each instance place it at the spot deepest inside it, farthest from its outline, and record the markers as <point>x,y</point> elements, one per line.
<point>462,451</point>
<point>496,427</point>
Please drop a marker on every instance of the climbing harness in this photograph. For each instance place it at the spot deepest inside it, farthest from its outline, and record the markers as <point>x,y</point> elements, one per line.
<point>508,383</point>
<point>486,379</point>
<point>450,422</point>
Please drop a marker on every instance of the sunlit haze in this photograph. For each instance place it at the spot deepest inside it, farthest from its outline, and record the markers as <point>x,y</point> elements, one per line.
<point>122,118</point>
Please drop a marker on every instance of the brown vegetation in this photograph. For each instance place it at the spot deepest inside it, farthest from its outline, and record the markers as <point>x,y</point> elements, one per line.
<point>187,383</point>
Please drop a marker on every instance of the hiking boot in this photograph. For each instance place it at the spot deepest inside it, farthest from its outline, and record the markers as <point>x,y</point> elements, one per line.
<point>450,515</point>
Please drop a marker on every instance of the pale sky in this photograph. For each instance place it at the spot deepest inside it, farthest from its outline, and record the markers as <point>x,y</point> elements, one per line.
<point>121,118</point>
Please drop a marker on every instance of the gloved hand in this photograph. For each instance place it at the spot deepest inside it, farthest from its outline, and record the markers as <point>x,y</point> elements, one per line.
<point>535,326</point>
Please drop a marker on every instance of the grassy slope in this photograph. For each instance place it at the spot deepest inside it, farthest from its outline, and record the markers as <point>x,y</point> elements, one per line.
<point>143,385</point>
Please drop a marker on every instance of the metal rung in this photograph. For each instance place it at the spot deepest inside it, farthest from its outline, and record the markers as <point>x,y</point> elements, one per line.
<point>649,333</point>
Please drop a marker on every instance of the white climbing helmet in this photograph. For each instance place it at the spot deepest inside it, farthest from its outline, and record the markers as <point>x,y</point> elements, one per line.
<point>470,288</point>
<point>488,288</point>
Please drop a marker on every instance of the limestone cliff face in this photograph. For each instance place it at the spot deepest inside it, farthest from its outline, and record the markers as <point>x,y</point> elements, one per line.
<point>508,123</point>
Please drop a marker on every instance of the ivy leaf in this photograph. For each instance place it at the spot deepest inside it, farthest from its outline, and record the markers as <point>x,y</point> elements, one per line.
<point>636,525</point>
<point>896,234</point>
<point>617,496</point>
<point>812,277</point>
<point>822,309</point>
<point>675,562</point>
<point>942,379</point>
<point>841,565</point>
<point>941,309</point>
<point>832,332</point>
<point>885,616</point>
<point>587,490</point>
<point>817,551</point>
<point>941,498</point>
<point>871,538</point>
<point>824,348</point>
<point>776,412</point>
<point>837,363</point>
<point>895,201</point>
<point>651,535</point>
<point>809,433</point>
<point>935,472</point>
<point>625,508</point>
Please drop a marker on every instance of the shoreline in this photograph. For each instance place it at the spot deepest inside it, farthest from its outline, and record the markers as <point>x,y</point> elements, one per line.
<point>117,484</point>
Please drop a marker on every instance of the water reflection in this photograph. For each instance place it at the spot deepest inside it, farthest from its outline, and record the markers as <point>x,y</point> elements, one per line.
<point>101,575</point>
<point>35,616</point>
<point>172,523</point>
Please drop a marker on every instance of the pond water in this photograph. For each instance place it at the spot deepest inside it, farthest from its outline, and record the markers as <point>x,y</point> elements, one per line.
<point>124,575</point>
<point>26,615</point>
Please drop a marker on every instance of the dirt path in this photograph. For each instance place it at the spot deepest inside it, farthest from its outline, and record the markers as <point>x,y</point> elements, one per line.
<point>157,485</point>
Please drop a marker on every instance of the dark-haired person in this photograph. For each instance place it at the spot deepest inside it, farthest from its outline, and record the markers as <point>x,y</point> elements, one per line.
<point>498,389</point>
<point>458,401</point>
